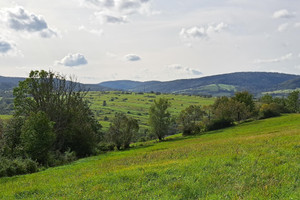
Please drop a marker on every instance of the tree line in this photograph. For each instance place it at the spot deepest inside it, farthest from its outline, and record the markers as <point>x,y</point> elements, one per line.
<point>53,123</point>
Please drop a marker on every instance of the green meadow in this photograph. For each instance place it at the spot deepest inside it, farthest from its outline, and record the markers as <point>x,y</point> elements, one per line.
<point>253,160</point>
<point>137,105</point>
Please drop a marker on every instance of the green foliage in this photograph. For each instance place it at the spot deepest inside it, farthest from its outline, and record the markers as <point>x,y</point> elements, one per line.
<point>63,102</point>
<point>269,110</point>
<point>190,120</point>
<point>37,137</point>
<point>17,166</point>
<point>228,109</point>
<point>266,99</point>
<point>159,117</point>
<point>122,130</point>
<point>255,160</point>
<point>293,103</point>
<point>246,98</point>
<point>12,137</point>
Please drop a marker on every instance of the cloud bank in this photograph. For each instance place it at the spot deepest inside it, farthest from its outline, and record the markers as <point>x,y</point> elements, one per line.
<point>19,19</point>
<point>117,11</point>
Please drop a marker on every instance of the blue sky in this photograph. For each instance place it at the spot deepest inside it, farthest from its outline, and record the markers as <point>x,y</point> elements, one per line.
<point>99,40</point>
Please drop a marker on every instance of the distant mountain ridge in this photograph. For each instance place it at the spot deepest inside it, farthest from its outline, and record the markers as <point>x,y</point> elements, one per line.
<point>9,83</point>
<point>217,85</point>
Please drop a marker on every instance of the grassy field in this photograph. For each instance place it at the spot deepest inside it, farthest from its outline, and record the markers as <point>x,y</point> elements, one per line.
<point>137,105</point>
<point>254,160</point>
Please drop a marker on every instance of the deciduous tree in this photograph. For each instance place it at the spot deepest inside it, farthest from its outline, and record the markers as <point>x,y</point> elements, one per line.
<point>159,117</point>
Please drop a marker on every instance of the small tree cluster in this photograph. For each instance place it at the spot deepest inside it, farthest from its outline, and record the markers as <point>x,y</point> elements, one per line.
<point>121,131</point>
<point>190,120</point>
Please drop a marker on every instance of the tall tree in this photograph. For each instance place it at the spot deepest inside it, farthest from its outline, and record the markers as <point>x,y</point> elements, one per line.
<point>64,104</point>
<point>246,98</point>
<point>160,118</point>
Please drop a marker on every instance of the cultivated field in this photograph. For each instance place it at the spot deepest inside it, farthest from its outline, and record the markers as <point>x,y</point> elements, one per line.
<point>254,160</point>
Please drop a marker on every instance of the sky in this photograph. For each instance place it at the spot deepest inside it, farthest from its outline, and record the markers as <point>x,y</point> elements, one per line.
<point>142,40</point>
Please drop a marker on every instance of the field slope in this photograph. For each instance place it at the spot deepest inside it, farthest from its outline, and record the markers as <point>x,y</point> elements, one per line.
<point>255,160</point>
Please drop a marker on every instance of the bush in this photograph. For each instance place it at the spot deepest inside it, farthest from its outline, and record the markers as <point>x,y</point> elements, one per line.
<point>269,110</point>
<point>219,124</point>
<point>17,166</point>
<point>104,147</point>
<point>58,158</point>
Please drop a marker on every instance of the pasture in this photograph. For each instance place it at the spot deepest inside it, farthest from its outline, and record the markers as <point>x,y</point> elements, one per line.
<point>137,105</point>
<point>254,160</point>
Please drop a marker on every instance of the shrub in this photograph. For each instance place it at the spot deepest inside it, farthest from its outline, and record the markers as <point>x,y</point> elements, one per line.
<point>269,110</point>
<point>17,166</point>
<point>219,124</point>
<point>104,147</point>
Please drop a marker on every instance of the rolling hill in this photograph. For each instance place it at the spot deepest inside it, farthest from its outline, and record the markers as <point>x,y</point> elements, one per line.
<point>218,85</point>
<point>254,160</point>
<point>8,83</point>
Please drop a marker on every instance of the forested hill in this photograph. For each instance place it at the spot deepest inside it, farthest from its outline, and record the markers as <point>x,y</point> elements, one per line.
<point>8,83</point>
<point>218,85</point>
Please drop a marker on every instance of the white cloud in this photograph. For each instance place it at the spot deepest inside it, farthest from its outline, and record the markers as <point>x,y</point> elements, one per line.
<point>98,32</point>
<point>283,14</point>
<point>110,19</point>
<point>184,70</point>
<point>132,57</point>
<point>97,3</point>
<point>194,32</point>
<point>274,60</point>
<point>117,11</point>
<point>5,46</point>
<point>283,27</point>
<point>72,60</point>
<point>19,19</point>
<point>202,32</point>
<point>8,48</point>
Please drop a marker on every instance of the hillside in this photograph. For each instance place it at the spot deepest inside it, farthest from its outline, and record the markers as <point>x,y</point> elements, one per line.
<point>137,105</point>
<point>255,160</point>
<point>255,82</point>
<point>218,85</point>
<point>9,83</point>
